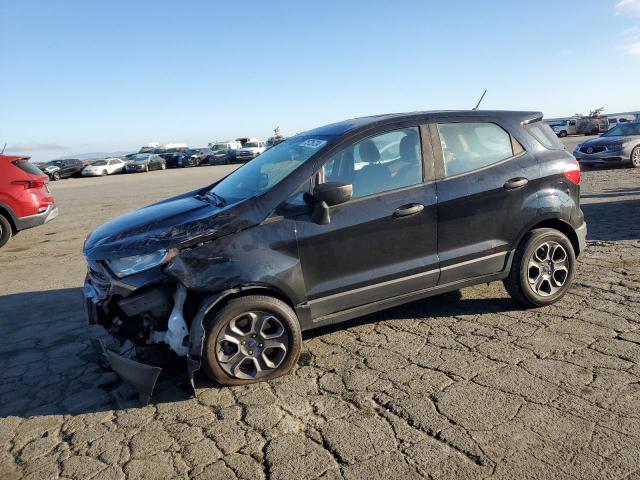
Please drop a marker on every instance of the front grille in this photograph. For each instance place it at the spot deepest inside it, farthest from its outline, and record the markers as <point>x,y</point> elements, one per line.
<point>595,149</point>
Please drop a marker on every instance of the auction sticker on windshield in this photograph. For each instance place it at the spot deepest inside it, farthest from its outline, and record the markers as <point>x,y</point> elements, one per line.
<point>315,144</point>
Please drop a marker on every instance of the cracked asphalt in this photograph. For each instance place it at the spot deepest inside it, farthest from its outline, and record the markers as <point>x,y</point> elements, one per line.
<point>464,385</point>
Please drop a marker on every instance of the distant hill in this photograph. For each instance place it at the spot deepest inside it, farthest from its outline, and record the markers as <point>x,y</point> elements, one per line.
<point>84,156</point>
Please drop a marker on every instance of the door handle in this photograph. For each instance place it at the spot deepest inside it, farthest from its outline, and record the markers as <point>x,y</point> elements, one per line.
<point>406,210</point>
<point>515,183</point>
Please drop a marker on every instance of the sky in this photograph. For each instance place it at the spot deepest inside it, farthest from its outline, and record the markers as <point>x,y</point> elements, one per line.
<point>84,76</point>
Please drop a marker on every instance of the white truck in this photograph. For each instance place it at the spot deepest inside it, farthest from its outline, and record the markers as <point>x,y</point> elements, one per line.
<point>579,126</point>
<point>251,150</point>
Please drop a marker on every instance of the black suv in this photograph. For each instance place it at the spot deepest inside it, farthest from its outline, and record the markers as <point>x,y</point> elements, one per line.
<point>329,225</point>
<point>57,169</point>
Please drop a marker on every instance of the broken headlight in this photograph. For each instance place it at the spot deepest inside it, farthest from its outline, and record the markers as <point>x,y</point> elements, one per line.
<point>125,266</point>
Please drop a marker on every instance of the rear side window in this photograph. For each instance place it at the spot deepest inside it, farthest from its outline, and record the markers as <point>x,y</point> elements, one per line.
<point>544,135</point>
<point>27,166</point>
<point>469,146</point>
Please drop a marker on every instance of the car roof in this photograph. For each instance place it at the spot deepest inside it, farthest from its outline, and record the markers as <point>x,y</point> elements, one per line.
<point>363,123</point>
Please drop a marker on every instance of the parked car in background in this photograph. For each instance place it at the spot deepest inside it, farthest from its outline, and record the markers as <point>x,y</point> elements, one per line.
<point>25,200</point>
<point>274,140</point>
<point>207,276</point>
<point>103,167</point>
<point>68,167</point>
<point>620,145</point>
<point>250,151</point>
<point>244,140</point>
<point>617,119</point>
<point>149,147</point>
<point>143,162</point>
<point>579,126</point>
<point>171,155</point>
<point>224,152</point>
<point>194,157</point>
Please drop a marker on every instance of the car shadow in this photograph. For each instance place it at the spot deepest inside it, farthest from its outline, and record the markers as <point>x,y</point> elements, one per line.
<point>613,220</point>
<point>49,367</point>
<point>616,192</point>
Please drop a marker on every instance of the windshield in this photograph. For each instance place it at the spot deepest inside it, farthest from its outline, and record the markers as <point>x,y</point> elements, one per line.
<point>192,152</point>
<point>220,147</point>
<point>55,163</point>
<point>624,130</point>
<point>141,158</point>
<point>99,162</point>
<point>267,170</point>
<point>251,144</point>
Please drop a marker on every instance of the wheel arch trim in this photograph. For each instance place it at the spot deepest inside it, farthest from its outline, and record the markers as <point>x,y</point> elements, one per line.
<point>210,302</point>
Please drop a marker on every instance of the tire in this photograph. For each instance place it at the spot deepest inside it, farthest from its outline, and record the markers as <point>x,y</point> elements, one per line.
<point>562,134</point>
<point>236,363</point>
<point>5,231</point>
<point>163,166</point>
<point>55,176</point>
<point>635,157</point>
<point>104,173</point>
<point>146,168</point>
<point>537,258</point>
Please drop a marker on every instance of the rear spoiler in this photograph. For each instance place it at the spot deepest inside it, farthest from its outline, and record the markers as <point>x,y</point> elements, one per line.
<point>531,117</point>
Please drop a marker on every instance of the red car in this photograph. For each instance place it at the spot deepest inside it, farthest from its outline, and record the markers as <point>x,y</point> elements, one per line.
<point>25,200</point>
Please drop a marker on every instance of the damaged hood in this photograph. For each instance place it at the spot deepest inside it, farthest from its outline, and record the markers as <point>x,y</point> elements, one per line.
<point>180,221</point>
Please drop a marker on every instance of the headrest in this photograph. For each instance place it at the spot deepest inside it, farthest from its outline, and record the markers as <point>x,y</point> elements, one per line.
<point>369,152</point>
<point>408,148</point>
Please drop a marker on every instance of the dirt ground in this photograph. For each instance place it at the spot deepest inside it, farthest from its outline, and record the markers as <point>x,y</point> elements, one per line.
<point>449,387</point>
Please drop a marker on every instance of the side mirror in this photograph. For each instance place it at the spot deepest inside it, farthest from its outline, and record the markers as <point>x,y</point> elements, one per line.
<point>333,193</point>
<point>326,195</point>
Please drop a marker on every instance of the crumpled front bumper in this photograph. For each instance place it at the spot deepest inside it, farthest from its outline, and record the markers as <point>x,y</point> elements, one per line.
<point>141,376</point>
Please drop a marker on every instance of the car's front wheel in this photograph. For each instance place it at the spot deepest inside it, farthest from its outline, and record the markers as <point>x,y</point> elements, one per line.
<point>635,157</point>
<point>542,269</point>
<point>562,134</point>
<point>251,339</point>
<point>5,230</point>
<point>104,173</point>
<point>55,176</point>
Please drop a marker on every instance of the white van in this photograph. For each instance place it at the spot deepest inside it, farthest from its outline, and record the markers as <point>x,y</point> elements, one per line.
<point>615,120</point>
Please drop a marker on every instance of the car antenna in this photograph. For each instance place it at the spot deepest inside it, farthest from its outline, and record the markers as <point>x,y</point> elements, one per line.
<point>480,101</point>
<point>5,146</point>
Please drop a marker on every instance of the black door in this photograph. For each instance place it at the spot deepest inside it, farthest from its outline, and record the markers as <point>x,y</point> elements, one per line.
<point>487,194</point>
<point>382,243</point>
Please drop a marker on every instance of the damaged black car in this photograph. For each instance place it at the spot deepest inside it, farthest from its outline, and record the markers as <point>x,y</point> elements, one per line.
<point>329,225</point>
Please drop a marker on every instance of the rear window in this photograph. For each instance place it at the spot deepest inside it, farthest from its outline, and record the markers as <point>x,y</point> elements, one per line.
<point>27,166</point>
<point>544,135</point>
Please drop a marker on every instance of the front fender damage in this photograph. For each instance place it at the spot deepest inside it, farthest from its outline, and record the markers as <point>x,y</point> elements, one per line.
<point>185,342</point>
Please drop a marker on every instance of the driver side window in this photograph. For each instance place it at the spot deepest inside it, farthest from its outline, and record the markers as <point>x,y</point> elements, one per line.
<point>376,164</point>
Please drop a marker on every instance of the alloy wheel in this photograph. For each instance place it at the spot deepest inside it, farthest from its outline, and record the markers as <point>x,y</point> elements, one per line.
<point>548,268</point>
<point>635,157</point>
<point>252,345</point>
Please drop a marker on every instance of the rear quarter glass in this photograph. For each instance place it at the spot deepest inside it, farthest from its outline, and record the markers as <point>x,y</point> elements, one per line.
<point>28,167</point>
<point>544,135</point>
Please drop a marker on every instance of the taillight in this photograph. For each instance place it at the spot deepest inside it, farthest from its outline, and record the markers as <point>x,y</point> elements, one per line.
<point>30,183</point>
<point>572,172</point>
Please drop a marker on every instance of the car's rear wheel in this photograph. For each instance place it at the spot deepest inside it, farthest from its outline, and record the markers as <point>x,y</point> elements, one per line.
<point>542,269</point>
<point>5,230</point>
<point>251,339</point>
<point>635,157</point>
<point>104,173</point>
<point>55,176</point>
<point>562,134</point>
